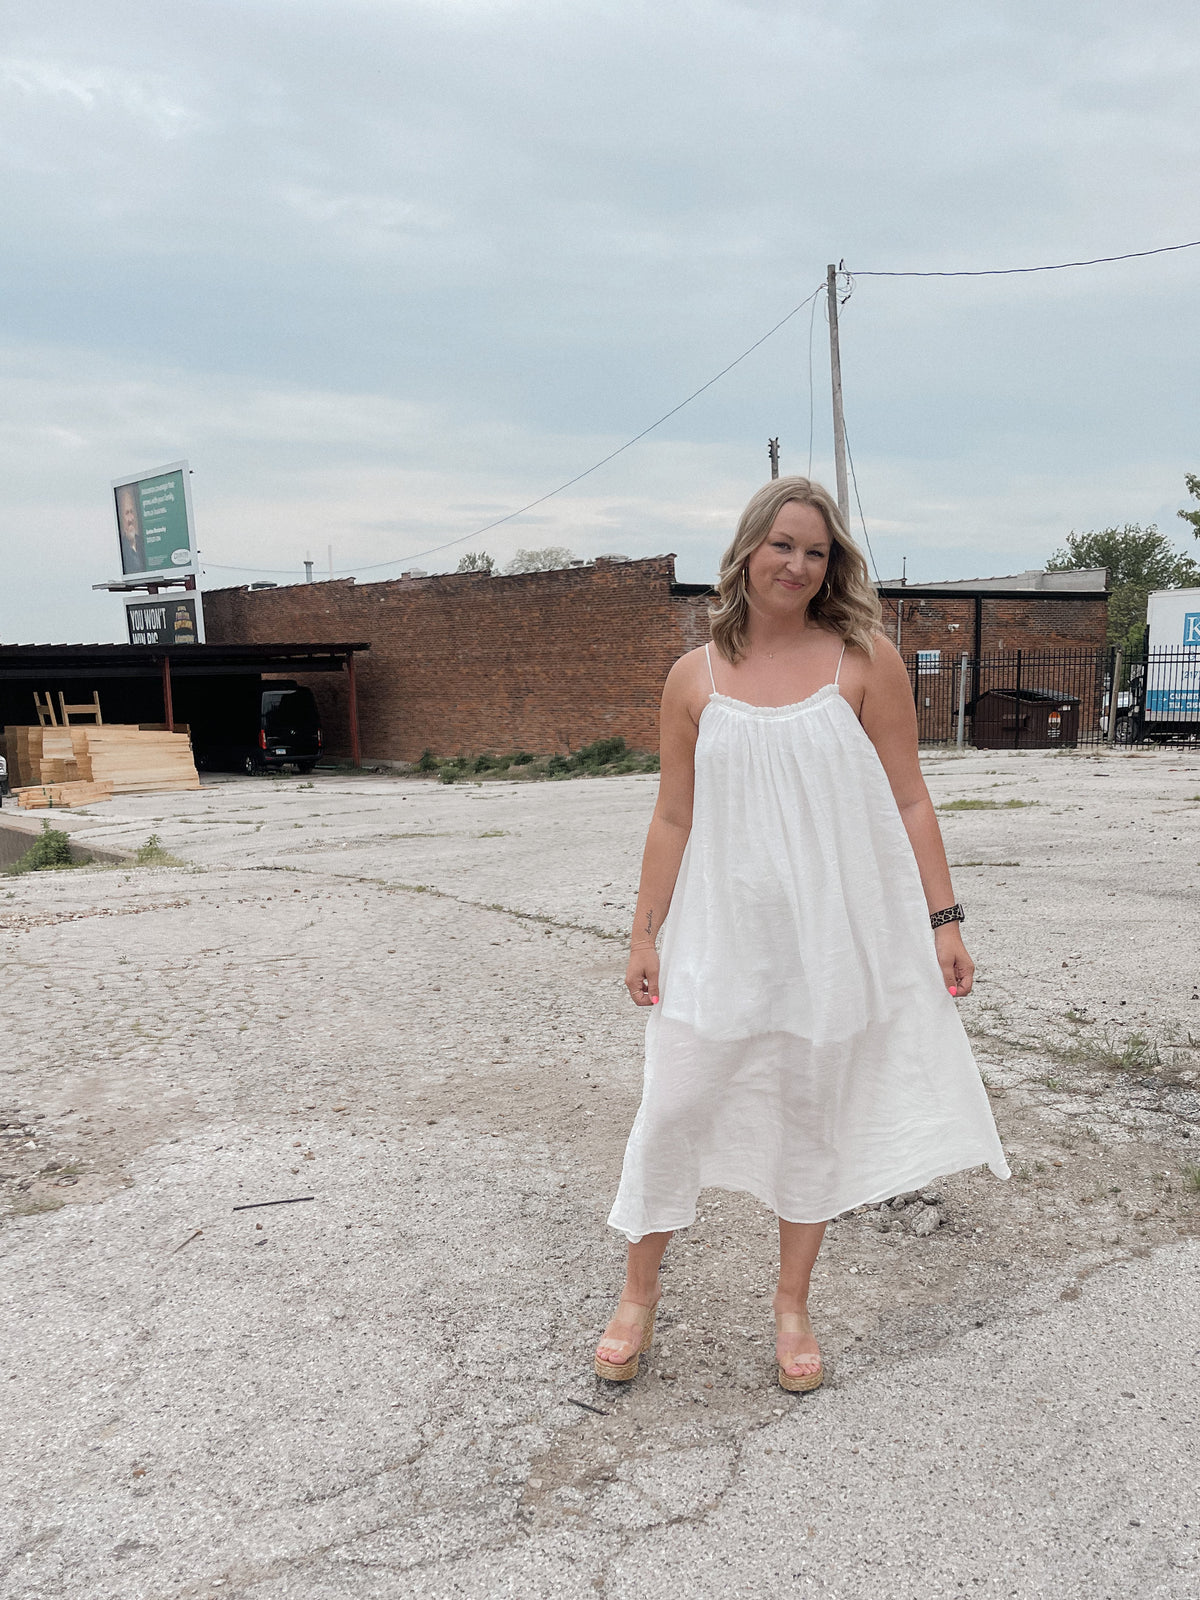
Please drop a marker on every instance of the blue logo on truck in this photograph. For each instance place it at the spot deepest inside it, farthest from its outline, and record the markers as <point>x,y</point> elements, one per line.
<point>1191,627</point>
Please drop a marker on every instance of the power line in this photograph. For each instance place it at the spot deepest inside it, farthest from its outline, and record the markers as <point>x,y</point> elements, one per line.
<point>478,533</point>
<point>858,503</point>
<point>812,317</point>
<point>587,472</point>
<point>1057,266</point>
<point>862,519</point>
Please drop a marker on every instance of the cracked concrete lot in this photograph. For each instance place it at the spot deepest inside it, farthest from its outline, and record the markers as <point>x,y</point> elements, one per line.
<point>404,999</point>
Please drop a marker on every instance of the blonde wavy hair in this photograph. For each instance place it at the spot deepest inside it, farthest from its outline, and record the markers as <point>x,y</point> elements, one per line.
<point>846,603</point>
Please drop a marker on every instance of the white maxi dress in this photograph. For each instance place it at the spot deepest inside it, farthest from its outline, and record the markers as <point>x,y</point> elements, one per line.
<point>804,1048</point>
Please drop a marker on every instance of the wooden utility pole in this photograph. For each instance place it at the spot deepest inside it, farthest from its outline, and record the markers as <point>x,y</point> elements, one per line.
<point>839,425</point>
<point>773,454</point>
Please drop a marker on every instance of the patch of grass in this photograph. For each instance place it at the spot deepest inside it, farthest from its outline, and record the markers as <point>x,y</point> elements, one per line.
<point>1191,1177</point>
<point>49,852</point>
<point>986,805</point>
<point>31,1207</point>
<point>152,854</point>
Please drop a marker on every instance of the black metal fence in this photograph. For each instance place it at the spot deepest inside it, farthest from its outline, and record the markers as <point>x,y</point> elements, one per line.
<point>1055,699</point>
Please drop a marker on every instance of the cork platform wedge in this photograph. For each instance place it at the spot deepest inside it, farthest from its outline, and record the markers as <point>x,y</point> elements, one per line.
<point>798,1382</point>
<point>623,1372</point>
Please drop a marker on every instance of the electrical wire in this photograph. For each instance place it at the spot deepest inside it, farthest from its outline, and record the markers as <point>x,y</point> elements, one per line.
<point>858,502</point>
<point>886,599</point>
<point>812,318</point>
<point>478,533</point>
<point>1057,266</point>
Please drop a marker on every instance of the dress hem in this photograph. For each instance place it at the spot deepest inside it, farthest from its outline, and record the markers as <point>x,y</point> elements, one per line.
<point>999,1167</point>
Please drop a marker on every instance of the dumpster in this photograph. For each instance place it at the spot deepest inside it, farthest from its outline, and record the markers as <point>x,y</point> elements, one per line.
<point>1024,719</point>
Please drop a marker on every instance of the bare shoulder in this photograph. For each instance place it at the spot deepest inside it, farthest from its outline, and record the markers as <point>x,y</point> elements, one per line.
<point>866,677</point>
<point>688,683</point>
<point>885,667</point>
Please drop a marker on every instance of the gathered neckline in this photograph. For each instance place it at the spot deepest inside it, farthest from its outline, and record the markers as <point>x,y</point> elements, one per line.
<point>775,711</point>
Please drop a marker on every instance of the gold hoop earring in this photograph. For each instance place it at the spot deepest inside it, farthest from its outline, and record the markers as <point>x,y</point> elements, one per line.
<point>745,585</point>
<point>828,594</point>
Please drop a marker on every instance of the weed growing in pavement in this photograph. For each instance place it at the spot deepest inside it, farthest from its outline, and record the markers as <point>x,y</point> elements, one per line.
<point>1191,1177</point>
<point>1135,1052</point>
<point>986,805</point>
<point>152,854</point>
<point>49,852</point>
<point>985,863</point>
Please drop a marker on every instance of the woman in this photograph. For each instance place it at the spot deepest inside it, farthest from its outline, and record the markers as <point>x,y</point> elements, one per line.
<point>803,1043</point>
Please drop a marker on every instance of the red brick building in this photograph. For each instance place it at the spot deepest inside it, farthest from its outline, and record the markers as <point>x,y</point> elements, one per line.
<point>988,616</point>
<point>465,663</point>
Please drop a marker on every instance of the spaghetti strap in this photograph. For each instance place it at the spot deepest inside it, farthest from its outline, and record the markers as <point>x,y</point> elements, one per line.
<point>836,675</point>
<point>708,658</point>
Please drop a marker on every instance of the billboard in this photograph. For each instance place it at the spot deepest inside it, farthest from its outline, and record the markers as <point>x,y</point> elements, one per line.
<point>154,523</point>
<point>165,619</point>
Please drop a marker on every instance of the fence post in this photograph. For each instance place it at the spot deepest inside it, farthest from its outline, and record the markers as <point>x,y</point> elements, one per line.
<point>1017,727</point>
<point>1118,665</point>
<point>961,736</point>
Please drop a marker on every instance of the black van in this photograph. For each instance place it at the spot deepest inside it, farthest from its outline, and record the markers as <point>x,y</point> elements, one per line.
<point>245,725</point>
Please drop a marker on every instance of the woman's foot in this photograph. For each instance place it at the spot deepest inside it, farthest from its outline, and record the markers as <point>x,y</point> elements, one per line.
<point>628,1334</point>
<point>797,1352</point>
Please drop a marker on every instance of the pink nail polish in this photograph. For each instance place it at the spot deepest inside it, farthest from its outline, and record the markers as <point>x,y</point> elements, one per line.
<point>953,989</point>
<point>654,1000</point>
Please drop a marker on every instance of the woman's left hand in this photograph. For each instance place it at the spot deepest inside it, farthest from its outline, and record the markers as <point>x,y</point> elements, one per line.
<point>958,970</point>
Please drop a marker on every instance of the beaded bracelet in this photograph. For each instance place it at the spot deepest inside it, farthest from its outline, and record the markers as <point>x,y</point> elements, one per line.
<point>954,913</point>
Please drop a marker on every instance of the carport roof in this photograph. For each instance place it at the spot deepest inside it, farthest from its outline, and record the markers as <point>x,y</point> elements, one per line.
<point>137,660</point>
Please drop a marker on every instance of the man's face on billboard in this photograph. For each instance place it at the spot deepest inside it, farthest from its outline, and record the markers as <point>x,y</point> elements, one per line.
<point>127,507</point>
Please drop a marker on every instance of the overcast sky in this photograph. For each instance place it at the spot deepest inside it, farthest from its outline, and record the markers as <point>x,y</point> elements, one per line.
<point>384,270</point>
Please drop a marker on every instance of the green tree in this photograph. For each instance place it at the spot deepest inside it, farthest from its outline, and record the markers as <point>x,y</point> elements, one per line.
<point>1193,488</point>
<point>547,560</point>
<point>476,561</point>
<point>1138,560</point>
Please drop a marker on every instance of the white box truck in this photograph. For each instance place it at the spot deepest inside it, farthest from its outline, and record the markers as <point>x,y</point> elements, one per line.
<point>1168,698</point>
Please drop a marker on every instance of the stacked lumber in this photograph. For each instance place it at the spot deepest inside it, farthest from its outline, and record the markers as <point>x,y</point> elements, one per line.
<point>128,758</point>
<point>61,796</point>
<point>138,760</point>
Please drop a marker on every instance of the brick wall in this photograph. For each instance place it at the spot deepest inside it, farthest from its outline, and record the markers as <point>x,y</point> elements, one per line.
<point>947,623</point>
<point>465,663</point>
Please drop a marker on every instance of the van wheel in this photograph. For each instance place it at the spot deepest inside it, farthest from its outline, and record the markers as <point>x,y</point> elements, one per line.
<point>305,767</point>
<point>251,767</point>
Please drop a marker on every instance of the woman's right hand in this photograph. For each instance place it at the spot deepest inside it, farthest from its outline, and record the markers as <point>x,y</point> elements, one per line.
<point>641,975</point>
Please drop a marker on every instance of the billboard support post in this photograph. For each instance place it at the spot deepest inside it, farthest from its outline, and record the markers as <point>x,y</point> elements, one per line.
<point>168,699</point>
